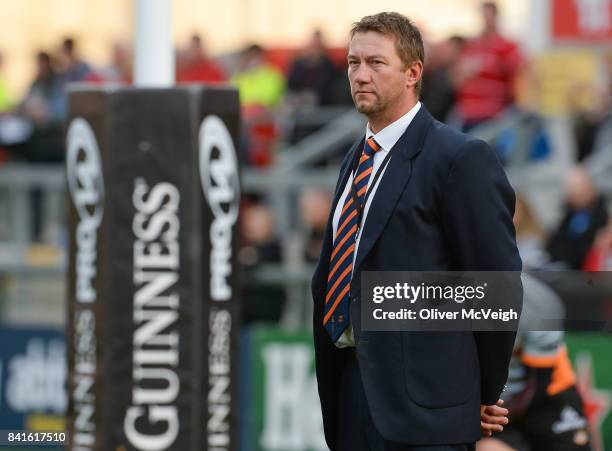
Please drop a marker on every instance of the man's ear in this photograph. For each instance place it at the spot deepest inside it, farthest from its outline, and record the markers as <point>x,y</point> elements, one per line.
<point>414,73</point>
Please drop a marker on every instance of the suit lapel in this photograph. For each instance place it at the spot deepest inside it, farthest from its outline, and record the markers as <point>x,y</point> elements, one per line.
<point>393,182</point>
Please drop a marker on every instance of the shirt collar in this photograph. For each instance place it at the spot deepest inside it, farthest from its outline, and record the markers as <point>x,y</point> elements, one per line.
<point>388,136</point>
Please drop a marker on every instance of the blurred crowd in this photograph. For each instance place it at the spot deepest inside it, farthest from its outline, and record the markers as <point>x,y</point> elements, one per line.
<point>270,81</point>
<point>469,82</point>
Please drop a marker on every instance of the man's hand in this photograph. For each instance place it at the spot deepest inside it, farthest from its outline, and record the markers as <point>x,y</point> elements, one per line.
<point>492,418</point>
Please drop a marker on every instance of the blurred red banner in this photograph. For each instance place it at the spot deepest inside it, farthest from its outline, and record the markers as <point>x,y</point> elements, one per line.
<point>582,20</point>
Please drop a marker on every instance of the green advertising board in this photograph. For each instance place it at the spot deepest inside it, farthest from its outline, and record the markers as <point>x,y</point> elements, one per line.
<point>280,404</point>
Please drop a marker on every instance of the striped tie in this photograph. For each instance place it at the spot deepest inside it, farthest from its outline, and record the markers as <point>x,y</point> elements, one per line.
<point>336,308</point>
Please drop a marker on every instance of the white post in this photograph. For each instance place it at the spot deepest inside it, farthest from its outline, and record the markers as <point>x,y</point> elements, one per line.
<point>153,47</point>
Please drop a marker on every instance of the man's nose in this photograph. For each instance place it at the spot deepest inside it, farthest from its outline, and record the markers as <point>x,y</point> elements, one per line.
<point>362,74</point>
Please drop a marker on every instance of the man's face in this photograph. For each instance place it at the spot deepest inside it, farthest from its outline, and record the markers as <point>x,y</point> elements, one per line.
<point>489,17</point>
<point>376,73</point>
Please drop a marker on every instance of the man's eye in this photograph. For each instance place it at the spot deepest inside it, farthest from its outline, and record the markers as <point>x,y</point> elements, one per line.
<point>352,63</point>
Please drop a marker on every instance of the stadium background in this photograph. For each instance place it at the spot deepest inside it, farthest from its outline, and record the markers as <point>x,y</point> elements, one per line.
<point>563,101</point>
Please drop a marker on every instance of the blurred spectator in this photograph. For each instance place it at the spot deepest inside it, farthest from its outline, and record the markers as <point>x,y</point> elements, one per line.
<point>586,125</point>
<point>312,76</point>
<point>34,130</point>
<point>259,136</point>
<point>5,97</point>
<point>194,65</point>
<point>314,80</point>
<point>589,121</point>
<point>599,257</point>
<point>438,93</point>
<point>45,102</point>
<point>258,230</point>
<point>261,303</point>
<point>529,235</point>
<point>599,161</point>
<point>585,214</point>
<point>72,67</point>
<point>261,87</point>
<point>485,74</point>
<point>259,83</point>
<point>120,68</point>
<point>315,205</point>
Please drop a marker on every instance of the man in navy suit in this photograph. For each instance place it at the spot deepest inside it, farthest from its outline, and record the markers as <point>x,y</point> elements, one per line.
<point>413,195</point>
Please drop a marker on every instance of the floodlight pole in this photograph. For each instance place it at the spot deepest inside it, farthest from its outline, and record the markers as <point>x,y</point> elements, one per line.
<point>153,48</point>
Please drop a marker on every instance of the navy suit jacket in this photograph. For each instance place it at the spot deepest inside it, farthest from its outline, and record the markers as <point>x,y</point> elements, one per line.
<point>443,204</point>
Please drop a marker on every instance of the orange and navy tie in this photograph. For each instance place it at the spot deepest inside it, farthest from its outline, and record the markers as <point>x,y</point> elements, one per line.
<point>336,310</point>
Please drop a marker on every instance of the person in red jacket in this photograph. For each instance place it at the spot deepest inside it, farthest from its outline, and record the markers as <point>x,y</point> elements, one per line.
<point>196,66</point>
<point>484,76</point>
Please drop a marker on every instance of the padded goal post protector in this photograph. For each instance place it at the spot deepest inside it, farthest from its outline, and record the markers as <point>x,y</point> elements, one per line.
<point>153,309</point>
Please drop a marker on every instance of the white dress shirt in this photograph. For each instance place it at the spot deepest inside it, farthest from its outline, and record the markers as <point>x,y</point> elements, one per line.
<point>386,139</point>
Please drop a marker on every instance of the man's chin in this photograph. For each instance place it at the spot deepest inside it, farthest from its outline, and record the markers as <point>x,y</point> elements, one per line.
<point>365,108</point>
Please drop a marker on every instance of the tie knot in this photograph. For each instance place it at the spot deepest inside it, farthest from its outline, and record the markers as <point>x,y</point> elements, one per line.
<point>371,147</point>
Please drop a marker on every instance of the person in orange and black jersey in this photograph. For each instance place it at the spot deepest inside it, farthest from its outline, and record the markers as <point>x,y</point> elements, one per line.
<point>546,412</point>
